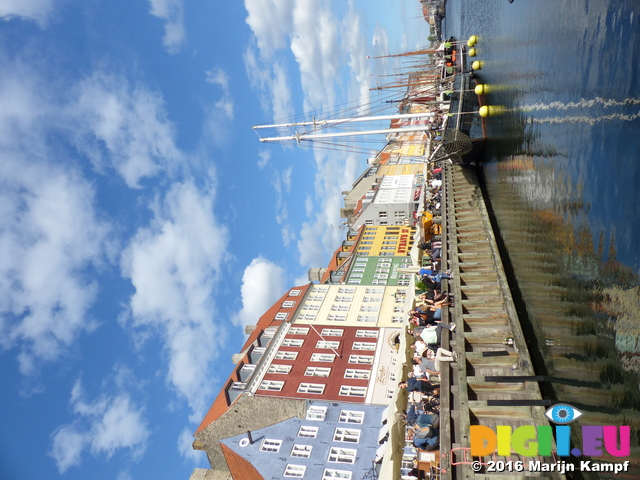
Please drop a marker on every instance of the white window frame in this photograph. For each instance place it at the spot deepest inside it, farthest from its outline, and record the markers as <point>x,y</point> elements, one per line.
<point>317,372</point>
<point>336,317</point>
<point>365,346</point>
<point>353,391</point>
<point>270,445</point>
<point>308,432</point>
<point>311,388</point>
<point>301,451</point>
<point>323,357</point>
<point>361,359</point>
<point>340,307</point>
<point>288,303</point>
<point>286,355</point>
<point>351,416</point>
<point>298,331</point>
<point>294,293</point>
<point>292,342</point>
<point>357,374</point>
<point>332,332</point>
<point>279,369</point>
<point>294,471</point>
<point>342,455</point>
<point>328,344</point>
<point>316,413</point>
<point>367,318</point>
<point>367,333</point>
<point>347,290</point>
<point>333,474</point>
<point>281,316</point>
<point>271,385</point>
<point>347,435</point>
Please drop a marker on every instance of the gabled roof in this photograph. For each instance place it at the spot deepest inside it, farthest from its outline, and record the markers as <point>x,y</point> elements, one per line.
<point>240,468</point>
<point>220,405</point>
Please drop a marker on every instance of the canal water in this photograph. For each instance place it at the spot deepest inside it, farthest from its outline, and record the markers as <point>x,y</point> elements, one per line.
<point>562,174</point>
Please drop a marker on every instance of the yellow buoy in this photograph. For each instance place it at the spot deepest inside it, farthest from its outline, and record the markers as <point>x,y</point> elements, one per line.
<point>477,65</point>
<point>482,89</point>
<point>473,39</point>
<point>490,110</point>
<point>472,52</point>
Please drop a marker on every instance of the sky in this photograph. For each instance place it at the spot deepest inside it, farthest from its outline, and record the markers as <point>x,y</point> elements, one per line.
<point>143,224</point>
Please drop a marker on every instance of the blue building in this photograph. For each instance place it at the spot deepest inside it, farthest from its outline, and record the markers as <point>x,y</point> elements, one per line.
<point>333,441</point>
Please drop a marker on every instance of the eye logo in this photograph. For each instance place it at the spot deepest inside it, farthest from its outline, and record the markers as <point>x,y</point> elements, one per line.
<point>563,413</point>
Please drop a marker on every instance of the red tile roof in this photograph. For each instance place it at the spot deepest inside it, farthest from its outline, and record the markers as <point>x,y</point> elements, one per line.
<point>240,468</point>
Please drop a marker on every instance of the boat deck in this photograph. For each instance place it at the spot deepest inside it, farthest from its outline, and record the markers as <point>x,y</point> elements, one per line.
<point>488,338</point>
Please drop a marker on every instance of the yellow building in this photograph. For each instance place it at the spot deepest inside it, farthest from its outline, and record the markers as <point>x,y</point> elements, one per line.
<point>386,241</point>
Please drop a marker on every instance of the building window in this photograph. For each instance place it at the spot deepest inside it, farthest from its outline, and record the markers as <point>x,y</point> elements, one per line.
<point>343,298</point>
<point>288,304</point>
<point>294,471</point>
<point>354,281</point>
<point>315,298</point>
<point>342,455</point>
<point>372,299</point>
<point>281,316</point>
<point>361,359</point>
<point>270,331</point>
<point>269,445</point>
<point>370,308</point>
<point>298,331</point>
<point>317,413</point>
<point>238,385</point>
<point>367,318</point>
<point>323,357</point>
<point>352,391</point>
<point>349,435</point>
<point>307,316</point>
<point>332,332</point>
<point>294,293</point>
<point>281,369</point>
<point>382,214</point>
<point>351,416</point>
<point>340,307</point>
<point>314,388</point>
<point>368,222</point>
<point>332,474</point>
<point>303,451</point>
<point>397,319</point>
<point>364,346</point>
<point>357,374</point>
<point>327,344</point>
<point>336,317</point>
<point>311,307</point>
<point>292,342</point>
<point>248,368</point>
<point>346,290</point>
<point>286,355</point>
<point>317,371</point>
<point>390,392</point>
<point>273,385</point>
<point>308,432</point>
<point>367,333</point>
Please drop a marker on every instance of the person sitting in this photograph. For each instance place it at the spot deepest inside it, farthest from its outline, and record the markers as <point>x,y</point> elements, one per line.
<point>431,362</point>
<point>421,385</point>
<point>432,335</point>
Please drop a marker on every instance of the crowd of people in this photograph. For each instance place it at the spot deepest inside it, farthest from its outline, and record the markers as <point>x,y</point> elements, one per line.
<point>425,327</point>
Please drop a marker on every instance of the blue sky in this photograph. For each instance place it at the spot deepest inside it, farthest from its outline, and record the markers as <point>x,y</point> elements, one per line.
<point>142,224</point>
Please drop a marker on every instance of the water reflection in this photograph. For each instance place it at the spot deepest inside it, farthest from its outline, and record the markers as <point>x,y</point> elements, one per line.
<point>582,306</point>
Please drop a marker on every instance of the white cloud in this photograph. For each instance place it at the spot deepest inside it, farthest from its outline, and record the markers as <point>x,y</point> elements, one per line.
<point>265,156</point>
<point>172,13</point>
<point>51,239</point>
<point>103,426</point>
<point>271,21</point>
<point>263,282</point>
<point>218,76</point>
<point>124,126</point>
<point>174,266</point>
<point>185,442</point>
<point>36,10</point>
